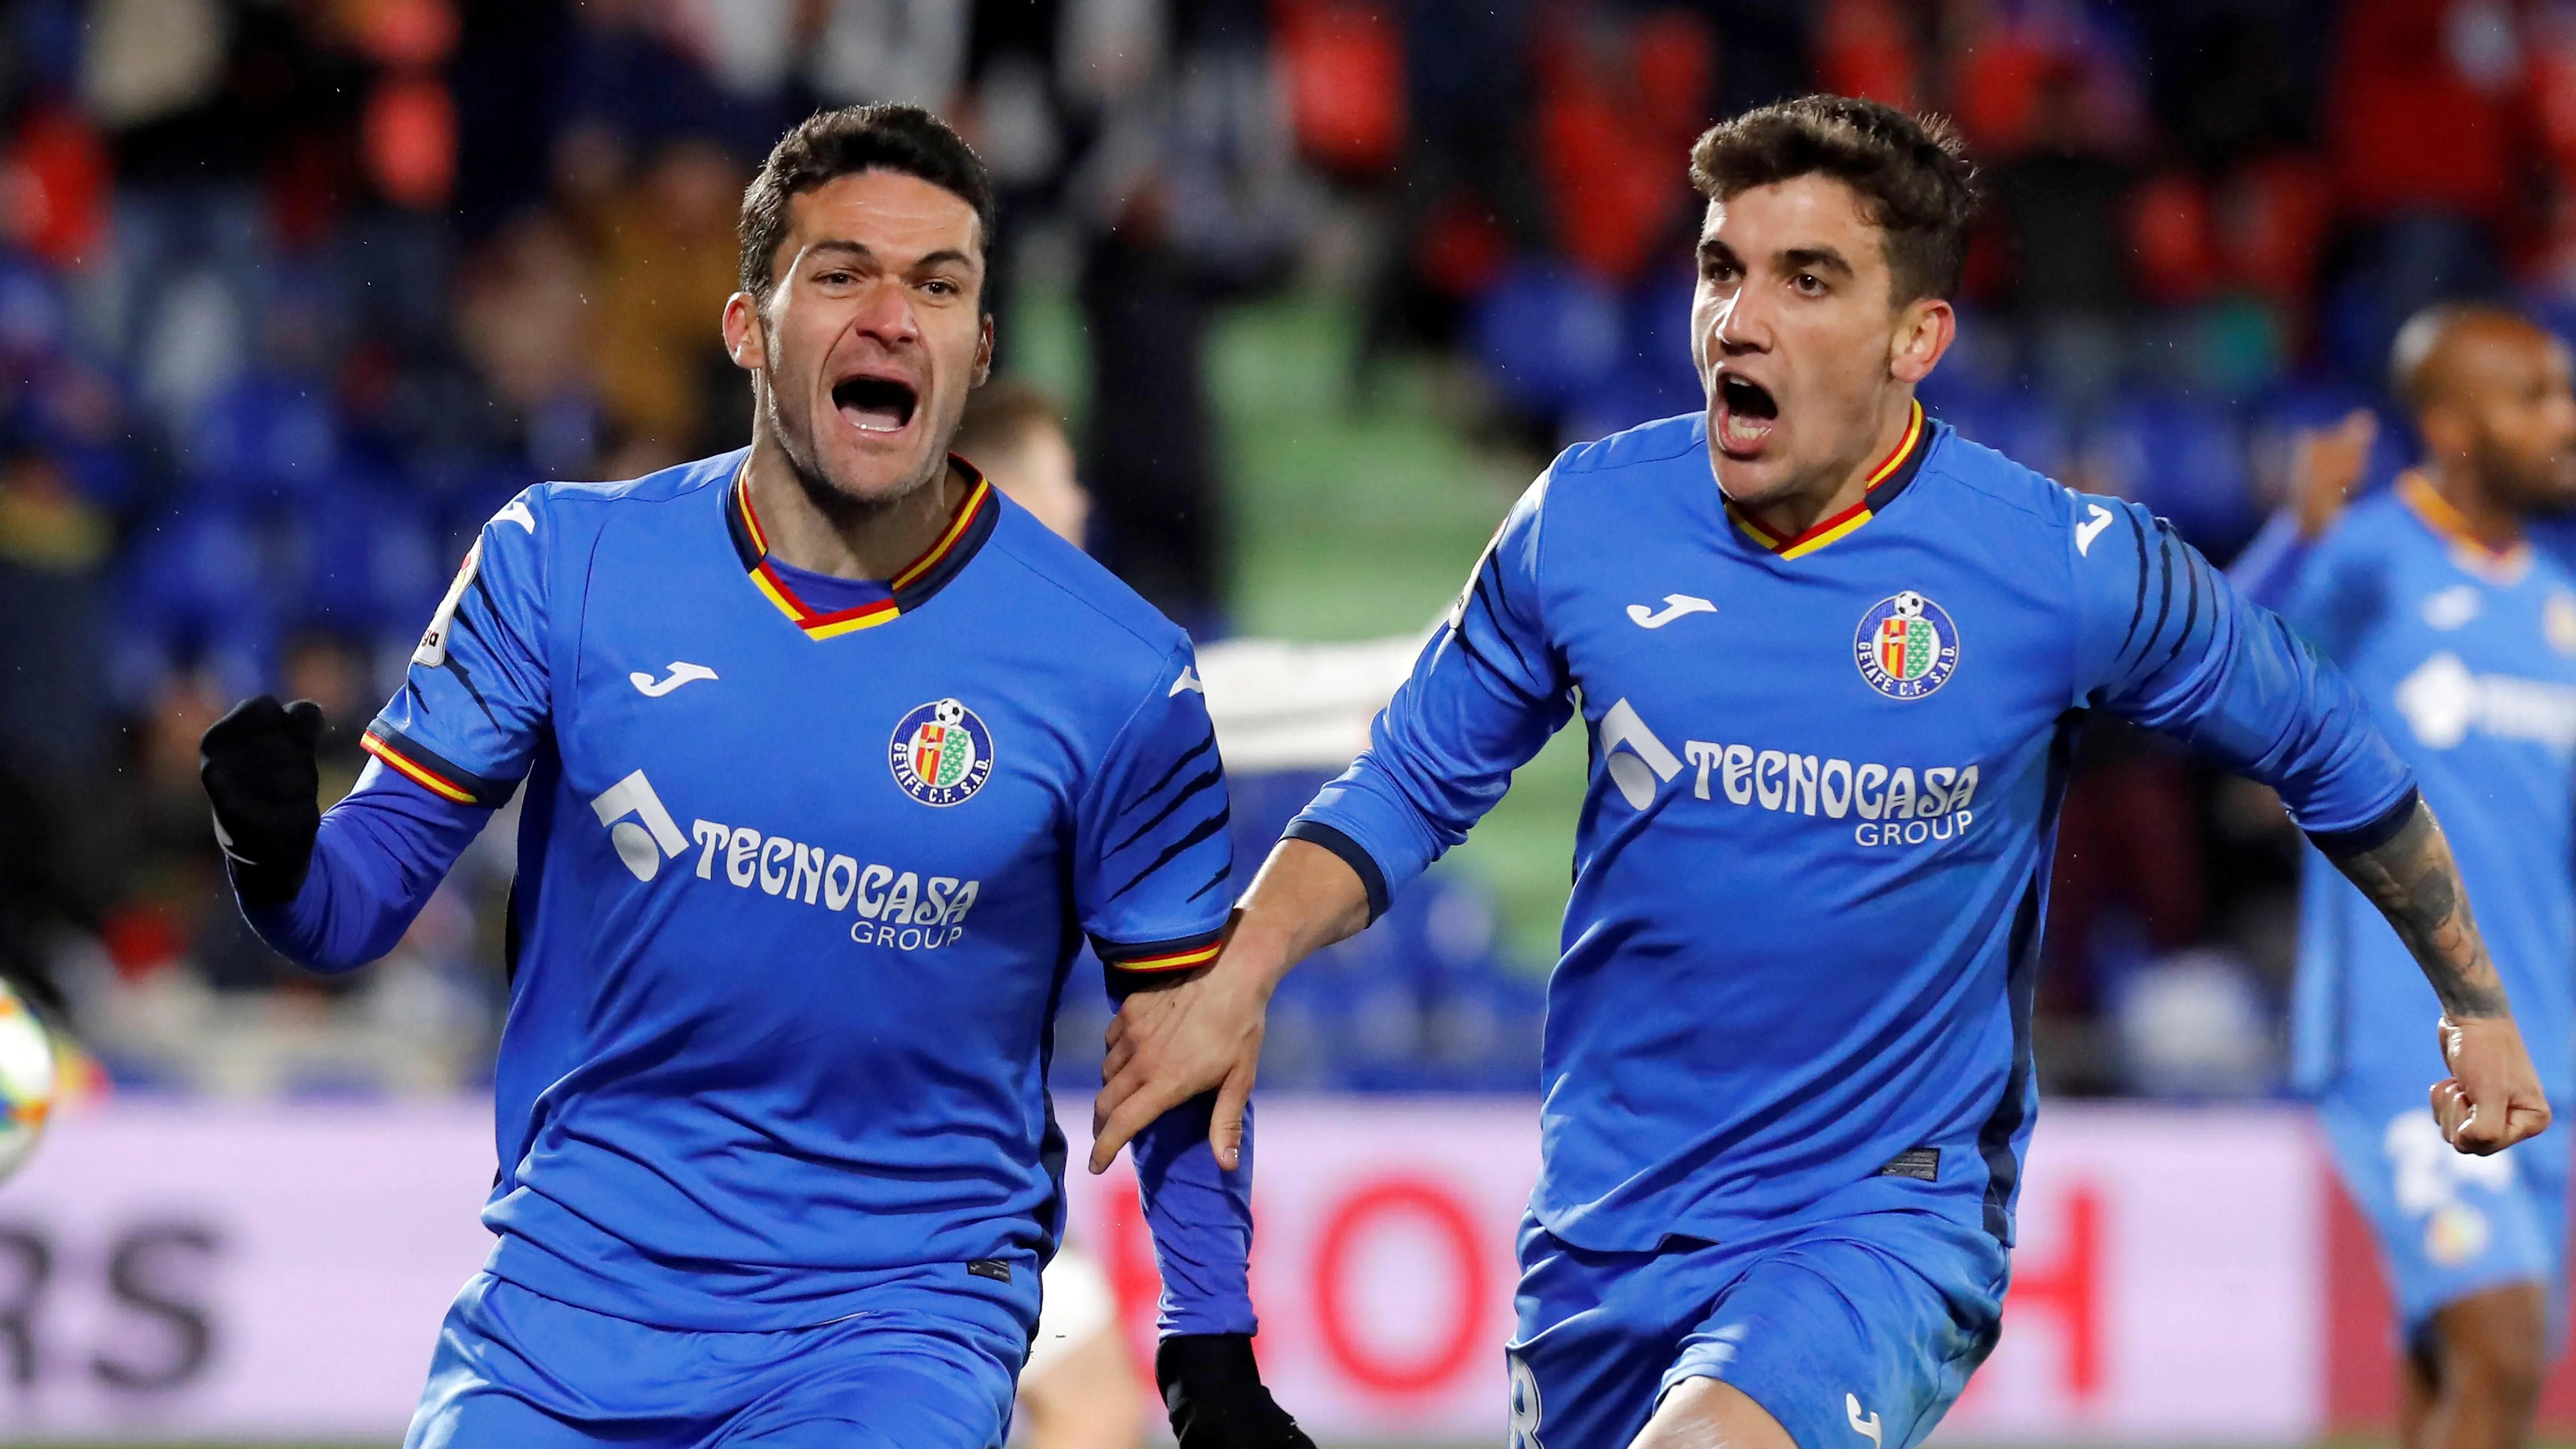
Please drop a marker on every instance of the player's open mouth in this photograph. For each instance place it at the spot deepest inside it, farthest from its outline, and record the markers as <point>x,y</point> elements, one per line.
<point>875,404</point>
<point>1744,416</point>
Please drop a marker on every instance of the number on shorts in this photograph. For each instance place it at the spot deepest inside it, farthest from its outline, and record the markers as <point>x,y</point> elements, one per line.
<point>1525,1407</point>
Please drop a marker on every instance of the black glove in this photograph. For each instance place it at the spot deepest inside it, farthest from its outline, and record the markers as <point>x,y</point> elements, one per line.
<point>257,764</point>
<point>1213,1390</point>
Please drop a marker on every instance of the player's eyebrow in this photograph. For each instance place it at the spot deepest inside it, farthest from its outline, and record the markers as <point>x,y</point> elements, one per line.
<point>860,251</point>
<point>1713,252</point>
<point>1815,259</point>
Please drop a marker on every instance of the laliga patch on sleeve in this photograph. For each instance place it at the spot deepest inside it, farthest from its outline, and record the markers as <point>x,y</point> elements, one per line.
<point>1923,1164</point>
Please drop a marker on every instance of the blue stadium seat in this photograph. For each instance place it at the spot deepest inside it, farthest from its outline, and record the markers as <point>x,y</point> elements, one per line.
<point>264,438</point>
<point>197,588</point>
<point>1549,335</point>
<point>2184,458</point>
<point>2017,424</point>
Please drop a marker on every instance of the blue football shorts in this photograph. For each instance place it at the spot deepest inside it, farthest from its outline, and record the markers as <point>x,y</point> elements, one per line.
<point>2449,1226</point>
<point>933,1369</point>
<point>1855,1332</point>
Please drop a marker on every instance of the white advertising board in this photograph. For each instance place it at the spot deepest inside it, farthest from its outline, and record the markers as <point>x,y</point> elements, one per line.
<point>200,1271</point>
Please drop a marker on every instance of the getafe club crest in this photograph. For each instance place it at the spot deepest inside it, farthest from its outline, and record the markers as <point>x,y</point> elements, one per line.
<point>1907,647</point>
<point>941,753</point>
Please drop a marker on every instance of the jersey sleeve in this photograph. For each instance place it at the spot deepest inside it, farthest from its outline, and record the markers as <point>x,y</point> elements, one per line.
<point>381,852</point>
<point>478,695</point>
<point>2166,641</point>
<point>1153,862</point>
<point>1153,857</point>
<point>1201,1218</point>
<point>1484,696</point>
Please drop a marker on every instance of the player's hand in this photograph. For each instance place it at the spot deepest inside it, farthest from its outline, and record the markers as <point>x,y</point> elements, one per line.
<point>1213,1391</point>
<point>2492,1099</point>
<point>2326,465</point>
<point>1168,1046</point>
<point>257,765</point>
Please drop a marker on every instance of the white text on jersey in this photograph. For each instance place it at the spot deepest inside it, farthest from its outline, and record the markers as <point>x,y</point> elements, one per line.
<point>894,908</point>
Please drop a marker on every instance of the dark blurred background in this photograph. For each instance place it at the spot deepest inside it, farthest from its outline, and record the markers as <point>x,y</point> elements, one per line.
<point>295,293</point>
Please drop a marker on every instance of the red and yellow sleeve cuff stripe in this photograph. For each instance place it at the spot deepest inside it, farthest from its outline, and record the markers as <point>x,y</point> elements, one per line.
<point>1132,967</point>
<point>1174,960</point>
<point>430,772</point>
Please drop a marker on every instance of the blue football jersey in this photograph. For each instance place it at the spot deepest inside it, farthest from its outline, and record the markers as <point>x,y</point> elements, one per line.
<point>2469,660</point>
<point>803,865</point>
<point>1813,857</point>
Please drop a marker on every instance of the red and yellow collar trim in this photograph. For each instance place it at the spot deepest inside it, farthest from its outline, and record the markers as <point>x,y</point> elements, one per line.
<point>908,589</point>
<point>2435,512</point>
<point>1889,478</point>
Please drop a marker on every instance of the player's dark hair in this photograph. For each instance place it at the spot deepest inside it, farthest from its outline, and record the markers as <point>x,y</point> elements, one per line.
<point>832,144</point>
<point>1912,175</point>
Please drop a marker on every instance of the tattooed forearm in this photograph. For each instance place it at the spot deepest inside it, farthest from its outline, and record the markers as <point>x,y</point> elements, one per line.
<point>2416,885</point>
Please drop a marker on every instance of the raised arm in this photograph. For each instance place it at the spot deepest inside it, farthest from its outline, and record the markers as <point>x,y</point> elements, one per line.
<point>332,892</point>
<point>376,858</point>
<point>1485,694</point>
<point>2168,642</point>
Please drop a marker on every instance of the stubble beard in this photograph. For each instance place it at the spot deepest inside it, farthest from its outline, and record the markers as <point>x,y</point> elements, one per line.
<point>845,510</point>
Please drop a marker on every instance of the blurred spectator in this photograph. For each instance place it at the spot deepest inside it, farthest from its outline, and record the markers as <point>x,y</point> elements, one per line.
<point>1191,198</point>
<point>668,261</point>
<point>293,296</point>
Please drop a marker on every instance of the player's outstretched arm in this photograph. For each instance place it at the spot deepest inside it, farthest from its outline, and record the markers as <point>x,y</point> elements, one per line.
<point>2492,1098</point>
<point>2168,642</point>
<point>1484,696</point>
<point>1204,1034</point>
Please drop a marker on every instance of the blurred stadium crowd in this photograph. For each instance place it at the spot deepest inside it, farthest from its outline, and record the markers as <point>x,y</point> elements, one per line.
<point>294,293</point>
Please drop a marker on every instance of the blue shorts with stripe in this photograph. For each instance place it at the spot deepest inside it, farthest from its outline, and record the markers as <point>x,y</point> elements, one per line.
<point>2449,1226</point>
<point>1854,1332</point>
<point>933,1369</point>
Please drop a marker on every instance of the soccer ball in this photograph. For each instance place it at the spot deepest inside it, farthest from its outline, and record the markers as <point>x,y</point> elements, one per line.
<point>26,1080</point>
<point>949,712</point>
<point>1909,605</point>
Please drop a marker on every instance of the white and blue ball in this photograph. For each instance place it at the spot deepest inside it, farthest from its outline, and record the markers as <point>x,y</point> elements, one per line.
<point>27,1080</point>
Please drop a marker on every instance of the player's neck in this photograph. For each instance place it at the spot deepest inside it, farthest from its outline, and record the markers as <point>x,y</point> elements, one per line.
<point>2478,514</point>
<point>1836,489</point>
<point>811,527</point>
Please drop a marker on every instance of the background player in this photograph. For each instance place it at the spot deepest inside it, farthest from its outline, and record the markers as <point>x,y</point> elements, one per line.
<point>2463,638</point>
<point>777,1163</point>
<point>1787,1075</point>
<point>1014,435</point>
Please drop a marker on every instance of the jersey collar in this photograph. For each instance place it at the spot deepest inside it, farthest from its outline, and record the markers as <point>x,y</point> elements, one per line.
<point>2496,566</point>
<point>909,589</point>
<point>1892,476</point>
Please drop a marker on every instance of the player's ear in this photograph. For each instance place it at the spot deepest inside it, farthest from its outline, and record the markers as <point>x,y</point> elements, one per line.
<point>744,337</point>
<point>2447,432</point>
<point>984,352</point>
<point>1924,330</point>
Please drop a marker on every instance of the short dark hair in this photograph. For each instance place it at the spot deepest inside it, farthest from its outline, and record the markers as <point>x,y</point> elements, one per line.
<point>832,144</point>
<point>1912,175</point>
<point>1001,415</point>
